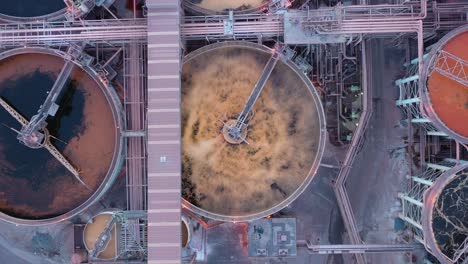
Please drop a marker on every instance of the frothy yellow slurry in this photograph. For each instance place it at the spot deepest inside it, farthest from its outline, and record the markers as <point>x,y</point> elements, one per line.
<point>283,133</point>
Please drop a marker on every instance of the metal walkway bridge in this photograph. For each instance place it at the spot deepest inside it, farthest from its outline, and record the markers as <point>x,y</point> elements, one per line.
<point>337,20</point>
<point>163,136</point>
<point>356,249</point>
<point>50,107</point>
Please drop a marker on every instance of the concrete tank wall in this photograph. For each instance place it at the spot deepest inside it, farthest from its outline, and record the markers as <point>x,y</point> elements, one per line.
<point>239,182</point>
<point>117,156</point>
<point>444,99</point>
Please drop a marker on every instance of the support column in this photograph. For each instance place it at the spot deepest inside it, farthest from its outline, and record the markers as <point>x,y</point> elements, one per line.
<point>410,199</point>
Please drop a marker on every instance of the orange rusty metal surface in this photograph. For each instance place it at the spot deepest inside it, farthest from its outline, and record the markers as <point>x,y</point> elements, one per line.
<point>450,98</point>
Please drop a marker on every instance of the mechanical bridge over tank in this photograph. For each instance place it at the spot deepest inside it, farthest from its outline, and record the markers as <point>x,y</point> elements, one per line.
<point>50,107</point>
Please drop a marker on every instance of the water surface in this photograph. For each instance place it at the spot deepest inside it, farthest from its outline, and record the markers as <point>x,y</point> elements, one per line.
<point>30,8</point>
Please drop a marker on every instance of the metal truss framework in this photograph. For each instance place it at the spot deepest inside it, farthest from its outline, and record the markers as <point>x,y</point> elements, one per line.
<point>433,159</point>
<point>352,20</point>
<point>409,101</point>
<point>61,33</point>
<point>414,207</point>
<point>451,66</point>
<point>460,254</point>
<point>130,231</point>
<point>134,102</point>
<point>348,20</point>
<point>133,235</point>
<point>443,17</point>
<point>412,199</point>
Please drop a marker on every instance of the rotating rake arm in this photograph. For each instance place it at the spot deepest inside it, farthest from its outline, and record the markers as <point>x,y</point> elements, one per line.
<point>51,148</point>
<point>237,131</point>
<point>49,107</point>
<point>258,88</point>
<point>24,122</point>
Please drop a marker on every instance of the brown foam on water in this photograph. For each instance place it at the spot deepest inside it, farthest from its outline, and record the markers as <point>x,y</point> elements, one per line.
<point>91,151</point>
<point>92,232</point>
<point>221,5</point>
<point>283,134</point>
<point>449,98</point>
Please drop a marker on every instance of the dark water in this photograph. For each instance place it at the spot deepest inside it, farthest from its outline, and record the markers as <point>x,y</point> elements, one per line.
<point>36,167</point>
<point>30,8</point>
<point>450,222</point>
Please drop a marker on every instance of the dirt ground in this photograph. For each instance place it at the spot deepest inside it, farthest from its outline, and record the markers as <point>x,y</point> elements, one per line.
<point>379,170</point>
<point>283,133</point>
<point>91,150</point>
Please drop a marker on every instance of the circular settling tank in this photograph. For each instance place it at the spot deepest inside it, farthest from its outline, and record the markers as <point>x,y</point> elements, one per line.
<point>445,215</point>
<point>222,6</point>
<point>186,235</point>
<point>445,95</point>
<point>285,133</point>
<point>32,10</point>
<point>35,188</point>
<point>92,231</point>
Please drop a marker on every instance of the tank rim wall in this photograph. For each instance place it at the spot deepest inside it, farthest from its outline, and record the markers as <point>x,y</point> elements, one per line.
<point>57,15</point>
<point>89,222</point>
<point>117,158</point>
<point>320,149</point>
<point>426,105</point>
<point>428,211</point>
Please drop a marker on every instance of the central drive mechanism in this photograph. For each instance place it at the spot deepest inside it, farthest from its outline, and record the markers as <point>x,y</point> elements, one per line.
<point>234,133</point>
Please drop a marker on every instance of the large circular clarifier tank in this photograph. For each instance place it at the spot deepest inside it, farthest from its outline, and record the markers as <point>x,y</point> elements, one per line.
<point>237,182</point>
<point>445,213</point>
<point>445,90</point>
<point>32,10</point>
<point>210,7</point>
<point>35,188</point>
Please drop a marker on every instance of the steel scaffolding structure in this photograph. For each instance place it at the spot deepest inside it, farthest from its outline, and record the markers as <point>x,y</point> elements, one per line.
<point>412,199</point>
<point>450,66</point>
<point>438,152</point>
<point>110,31</point>
<point>417,206</point>
<point>248,26</point>
<point>163,85</point>
<point>133,235</point>
<point>443,17</point>
<point>409,101</point>
<point>134,102</point>
<point>355,249</point>
<point>130,235</point>
<point>347,20</point>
